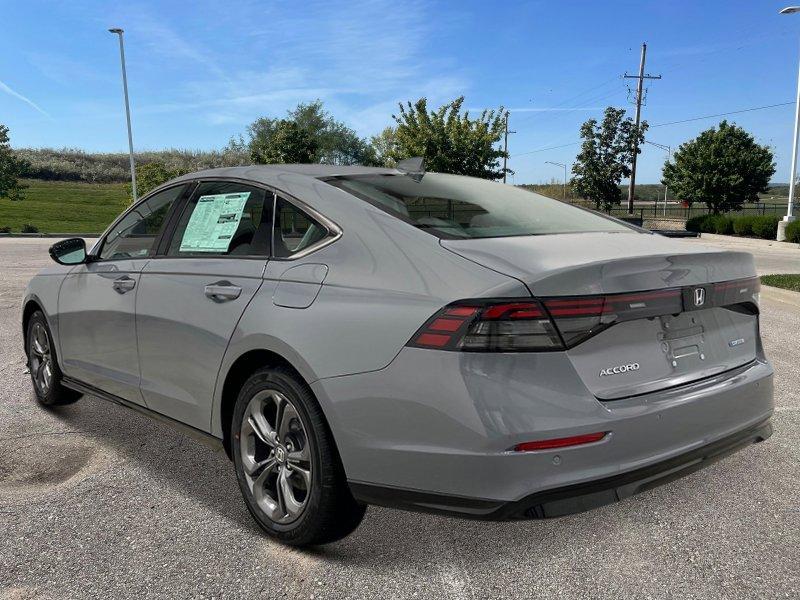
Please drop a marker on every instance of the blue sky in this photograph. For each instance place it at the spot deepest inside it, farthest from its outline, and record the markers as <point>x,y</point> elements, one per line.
<point>200,71</point>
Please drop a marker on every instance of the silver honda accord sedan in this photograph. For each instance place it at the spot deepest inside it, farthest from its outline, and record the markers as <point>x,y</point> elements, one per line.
<point>355,336</point>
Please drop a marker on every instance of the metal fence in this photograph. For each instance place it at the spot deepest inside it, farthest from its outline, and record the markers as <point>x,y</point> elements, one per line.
<point>463,212</point>
<point>677,212</point>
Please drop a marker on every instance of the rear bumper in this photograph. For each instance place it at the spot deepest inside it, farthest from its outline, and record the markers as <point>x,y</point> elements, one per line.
<point>568,499</point>
<point>440,425</point>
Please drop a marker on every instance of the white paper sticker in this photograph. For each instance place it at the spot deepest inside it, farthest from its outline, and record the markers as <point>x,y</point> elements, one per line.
<point>214,221</point>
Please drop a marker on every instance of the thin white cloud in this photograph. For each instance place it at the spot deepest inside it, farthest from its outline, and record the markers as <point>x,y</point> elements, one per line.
<point>19,96</point>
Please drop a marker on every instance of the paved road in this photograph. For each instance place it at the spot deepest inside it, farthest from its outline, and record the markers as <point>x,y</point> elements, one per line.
<point>771,257</point>
<point>98,501</point>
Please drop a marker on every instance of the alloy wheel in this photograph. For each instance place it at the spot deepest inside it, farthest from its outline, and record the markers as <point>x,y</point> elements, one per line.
<point>276,456</point>
<point>41,359</point>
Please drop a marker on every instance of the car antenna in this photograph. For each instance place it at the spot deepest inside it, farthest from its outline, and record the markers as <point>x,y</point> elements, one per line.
<point>413,167</point>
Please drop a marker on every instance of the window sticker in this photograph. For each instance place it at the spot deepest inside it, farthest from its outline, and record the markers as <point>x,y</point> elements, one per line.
<point>214,221</point>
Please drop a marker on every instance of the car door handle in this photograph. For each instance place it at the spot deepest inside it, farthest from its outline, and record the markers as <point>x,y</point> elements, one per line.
<point>124,284</point>
<point>222,291</point>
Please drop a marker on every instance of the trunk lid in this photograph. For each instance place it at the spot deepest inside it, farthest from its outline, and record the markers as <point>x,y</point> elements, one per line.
<point>639,355</point>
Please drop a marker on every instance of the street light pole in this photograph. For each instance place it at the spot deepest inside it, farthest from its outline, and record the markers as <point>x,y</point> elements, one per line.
<point>120,32</point>
<point>558,164</point>
<point>789,216</point>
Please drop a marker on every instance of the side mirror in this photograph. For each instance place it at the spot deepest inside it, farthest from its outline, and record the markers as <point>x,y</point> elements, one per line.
<point>69,252</point>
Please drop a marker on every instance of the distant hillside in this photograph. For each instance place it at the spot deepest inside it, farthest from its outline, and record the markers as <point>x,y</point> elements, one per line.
<point>69,164</point>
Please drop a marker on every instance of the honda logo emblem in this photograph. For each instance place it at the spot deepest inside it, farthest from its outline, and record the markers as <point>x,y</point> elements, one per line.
<point>699,296</point>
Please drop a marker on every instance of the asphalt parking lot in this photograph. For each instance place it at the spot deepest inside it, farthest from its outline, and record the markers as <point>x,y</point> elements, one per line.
<point>98,501</point>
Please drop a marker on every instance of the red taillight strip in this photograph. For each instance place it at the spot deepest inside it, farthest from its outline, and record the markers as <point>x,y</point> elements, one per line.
<point>444,324</point>
<point>434,340</point>
<point>565,442</point>
<point>516,310</point>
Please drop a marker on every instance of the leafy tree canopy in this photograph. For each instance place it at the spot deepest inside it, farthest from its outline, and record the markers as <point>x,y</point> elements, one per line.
<point>151,175</point>
<point>309,134</point>
<point>450,142</point>
<point>11,169</point>
<point>605,157</point>
<point>723,167</point>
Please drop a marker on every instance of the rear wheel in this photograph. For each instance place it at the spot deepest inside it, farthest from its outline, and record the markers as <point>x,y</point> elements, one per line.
<point>46,375</point>
<point>286,462</point>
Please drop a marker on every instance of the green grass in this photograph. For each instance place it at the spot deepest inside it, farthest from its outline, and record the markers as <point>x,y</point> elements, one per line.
<point>787,282</point>
<point>64,206</point>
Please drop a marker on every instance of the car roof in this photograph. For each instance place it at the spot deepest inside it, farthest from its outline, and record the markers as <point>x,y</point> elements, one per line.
<point>268,173</point>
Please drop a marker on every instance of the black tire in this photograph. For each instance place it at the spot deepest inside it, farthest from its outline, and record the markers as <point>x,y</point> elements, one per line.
<point>330,512</point>
<point>43,354</point>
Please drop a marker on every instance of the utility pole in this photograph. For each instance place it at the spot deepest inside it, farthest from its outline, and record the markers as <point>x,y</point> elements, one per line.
<point>639,90</point>
<point>505,149</point>
<point>558,164</point>
<point>118,31</point>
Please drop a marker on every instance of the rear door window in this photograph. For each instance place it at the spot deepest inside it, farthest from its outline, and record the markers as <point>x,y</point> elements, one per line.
<point>224,218</point>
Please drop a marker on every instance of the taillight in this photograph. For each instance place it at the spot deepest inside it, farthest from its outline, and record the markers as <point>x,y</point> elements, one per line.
<point>739,291</point>
<point>530,325</point>
<point>518,326</point>
<point>580,318</point>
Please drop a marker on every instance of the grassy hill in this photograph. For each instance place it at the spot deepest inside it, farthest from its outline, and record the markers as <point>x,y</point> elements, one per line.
<point>64,206</point>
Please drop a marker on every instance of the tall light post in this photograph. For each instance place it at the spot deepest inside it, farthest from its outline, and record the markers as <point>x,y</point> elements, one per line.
<point>669,155</point>
<point>789,216</point>
<point>120,32</point>
<point>558,164</point>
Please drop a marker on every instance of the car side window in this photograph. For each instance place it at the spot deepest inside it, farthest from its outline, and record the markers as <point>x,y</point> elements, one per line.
<point>224,218</point>
<point>295,230</point>
<point>135,234</point>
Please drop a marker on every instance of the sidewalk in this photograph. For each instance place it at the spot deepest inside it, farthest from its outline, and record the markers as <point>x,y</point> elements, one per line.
<point>750,242</point>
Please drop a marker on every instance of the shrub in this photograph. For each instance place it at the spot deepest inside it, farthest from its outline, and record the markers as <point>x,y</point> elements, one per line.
<point>700,224</point>
<point>723,225</point>
<point>793,232</point>
<point>743,225</point>
<point>5,229</point>
<point>766,227</point>
<point>28,228</point>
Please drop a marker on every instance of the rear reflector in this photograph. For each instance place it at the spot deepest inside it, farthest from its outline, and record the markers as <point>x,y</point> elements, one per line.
<point>575,440</point>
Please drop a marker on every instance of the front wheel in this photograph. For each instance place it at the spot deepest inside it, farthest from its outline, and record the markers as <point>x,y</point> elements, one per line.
<point>286,462</point>
<point>46,375</point>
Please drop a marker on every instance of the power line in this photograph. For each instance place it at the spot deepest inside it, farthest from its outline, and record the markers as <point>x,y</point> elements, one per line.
<point>733,112</point>
<point>546,149</point>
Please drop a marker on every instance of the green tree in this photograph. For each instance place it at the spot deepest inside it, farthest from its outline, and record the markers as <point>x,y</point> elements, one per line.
<point>281,141</point>
<point>723,167</point>
<point>605,157</point>
<point>11,169</point>
<point>384,146</point>
<point>151,175</point>
<point>309,134</point>
<point>450,142</point>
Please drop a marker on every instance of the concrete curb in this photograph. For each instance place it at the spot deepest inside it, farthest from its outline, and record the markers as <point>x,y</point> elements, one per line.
<point>49,235</point>
<point>781,295</point>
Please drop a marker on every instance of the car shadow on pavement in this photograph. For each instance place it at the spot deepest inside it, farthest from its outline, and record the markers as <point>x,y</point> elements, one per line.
<point>168,457</point>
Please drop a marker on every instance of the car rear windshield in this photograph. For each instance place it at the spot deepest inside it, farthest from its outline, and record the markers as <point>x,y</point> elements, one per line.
<point>452,206</point>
